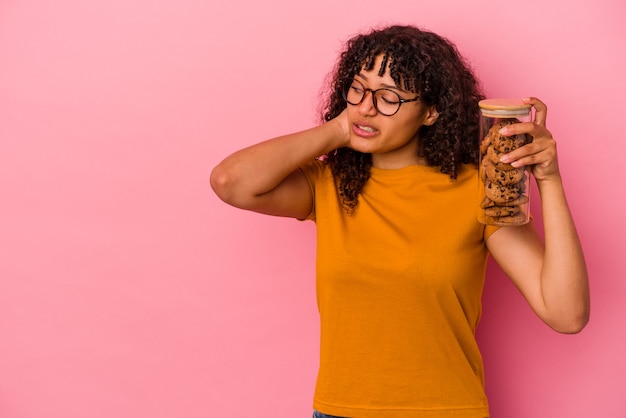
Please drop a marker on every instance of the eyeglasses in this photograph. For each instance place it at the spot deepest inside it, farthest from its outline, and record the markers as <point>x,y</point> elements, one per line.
<point>387,102</point>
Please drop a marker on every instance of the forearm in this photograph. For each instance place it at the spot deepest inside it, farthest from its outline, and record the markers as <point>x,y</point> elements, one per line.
<point>258,169</point>
<point>564,283</point>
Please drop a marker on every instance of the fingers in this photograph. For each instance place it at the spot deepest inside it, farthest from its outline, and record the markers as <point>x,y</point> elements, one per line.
<point>532,128</point>
<point>541,109</point>
<point>539,152</point>
<point>343,127</point>
<point>540,155</point>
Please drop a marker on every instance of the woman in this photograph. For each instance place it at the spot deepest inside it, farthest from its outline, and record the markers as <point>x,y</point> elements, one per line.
<point>400,254</point>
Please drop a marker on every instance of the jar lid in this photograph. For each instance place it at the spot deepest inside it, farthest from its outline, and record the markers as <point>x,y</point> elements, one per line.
<point>503,108</point>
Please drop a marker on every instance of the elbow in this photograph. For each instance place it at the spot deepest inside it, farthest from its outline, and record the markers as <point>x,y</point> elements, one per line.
<point>574,327</point>
<point>574,323</point>
<point>221,183</point>
<point>230,187</point>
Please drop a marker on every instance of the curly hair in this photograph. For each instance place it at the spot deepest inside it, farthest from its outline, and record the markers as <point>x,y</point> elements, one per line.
<point>421,62</point>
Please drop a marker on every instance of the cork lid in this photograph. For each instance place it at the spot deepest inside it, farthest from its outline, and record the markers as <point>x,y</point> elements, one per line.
<point>504,108</point>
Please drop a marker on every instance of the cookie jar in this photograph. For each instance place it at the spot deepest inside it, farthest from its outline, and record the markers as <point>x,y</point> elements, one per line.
<point>503,189</point>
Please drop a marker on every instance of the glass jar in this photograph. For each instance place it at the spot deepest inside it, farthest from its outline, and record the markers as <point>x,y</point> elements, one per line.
<point>503,189</point>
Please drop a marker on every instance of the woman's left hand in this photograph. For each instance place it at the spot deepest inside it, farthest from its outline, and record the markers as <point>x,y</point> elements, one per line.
<point>540,155</point>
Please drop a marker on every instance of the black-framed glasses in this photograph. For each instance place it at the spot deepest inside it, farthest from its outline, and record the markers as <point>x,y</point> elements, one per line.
<point>387,102</point>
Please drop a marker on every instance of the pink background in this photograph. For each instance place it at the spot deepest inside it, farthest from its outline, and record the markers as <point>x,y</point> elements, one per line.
<point>127,289</point>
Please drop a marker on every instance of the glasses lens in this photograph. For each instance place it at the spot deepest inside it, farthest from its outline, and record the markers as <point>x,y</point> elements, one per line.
<point>353,91</point>
<point>387,102</point>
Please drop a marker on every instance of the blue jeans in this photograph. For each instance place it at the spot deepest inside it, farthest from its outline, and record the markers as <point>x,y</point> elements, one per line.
<point>320,415</point>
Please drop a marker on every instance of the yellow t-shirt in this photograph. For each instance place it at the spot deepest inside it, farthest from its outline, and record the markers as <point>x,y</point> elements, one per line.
<point>399,286</point>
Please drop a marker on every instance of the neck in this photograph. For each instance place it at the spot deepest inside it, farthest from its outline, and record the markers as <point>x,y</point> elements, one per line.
<point>399,158</point>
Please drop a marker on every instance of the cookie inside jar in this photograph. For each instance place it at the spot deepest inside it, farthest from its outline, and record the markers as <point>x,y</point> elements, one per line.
<point>504,194</point>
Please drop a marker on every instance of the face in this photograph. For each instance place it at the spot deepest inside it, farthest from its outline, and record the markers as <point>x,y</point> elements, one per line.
<point>392,140</point>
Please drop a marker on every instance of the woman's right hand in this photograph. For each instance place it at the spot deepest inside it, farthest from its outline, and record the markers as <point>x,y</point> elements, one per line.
<point>343,128</point>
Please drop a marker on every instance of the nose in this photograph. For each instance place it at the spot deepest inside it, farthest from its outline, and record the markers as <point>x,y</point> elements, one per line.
<point>367,107</point>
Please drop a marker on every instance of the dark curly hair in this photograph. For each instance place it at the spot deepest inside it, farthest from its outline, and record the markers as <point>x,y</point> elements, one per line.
<point>424,63</point>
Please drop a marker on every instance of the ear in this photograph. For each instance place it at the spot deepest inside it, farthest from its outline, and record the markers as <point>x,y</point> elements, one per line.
<point>431,116</point>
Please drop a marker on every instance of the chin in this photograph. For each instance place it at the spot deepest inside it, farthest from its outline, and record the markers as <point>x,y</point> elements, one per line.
<point>363,145</point>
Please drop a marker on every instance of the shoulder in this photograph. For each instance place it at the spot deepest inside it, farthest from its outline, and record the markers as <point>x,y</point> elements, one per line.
<point>315,170</point>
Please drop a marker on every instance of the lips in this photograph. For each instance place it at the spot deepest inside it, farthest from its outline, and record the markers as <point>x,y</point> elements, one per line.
<point>364,129</point>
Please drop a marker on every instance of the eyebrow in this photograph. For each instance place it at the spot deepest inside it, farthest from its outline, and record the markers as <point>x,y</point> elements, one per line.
<point>386,86</point>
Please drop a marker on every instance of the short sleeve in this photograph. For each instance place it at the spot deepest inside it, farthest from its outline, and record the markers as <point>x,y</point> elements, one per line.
<point>313,171</point>
<point>489,229</point>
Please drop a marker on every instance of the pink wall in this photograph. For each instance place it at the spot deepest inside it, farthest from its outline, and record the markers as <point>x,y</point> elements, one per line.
<point>128,290</point>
